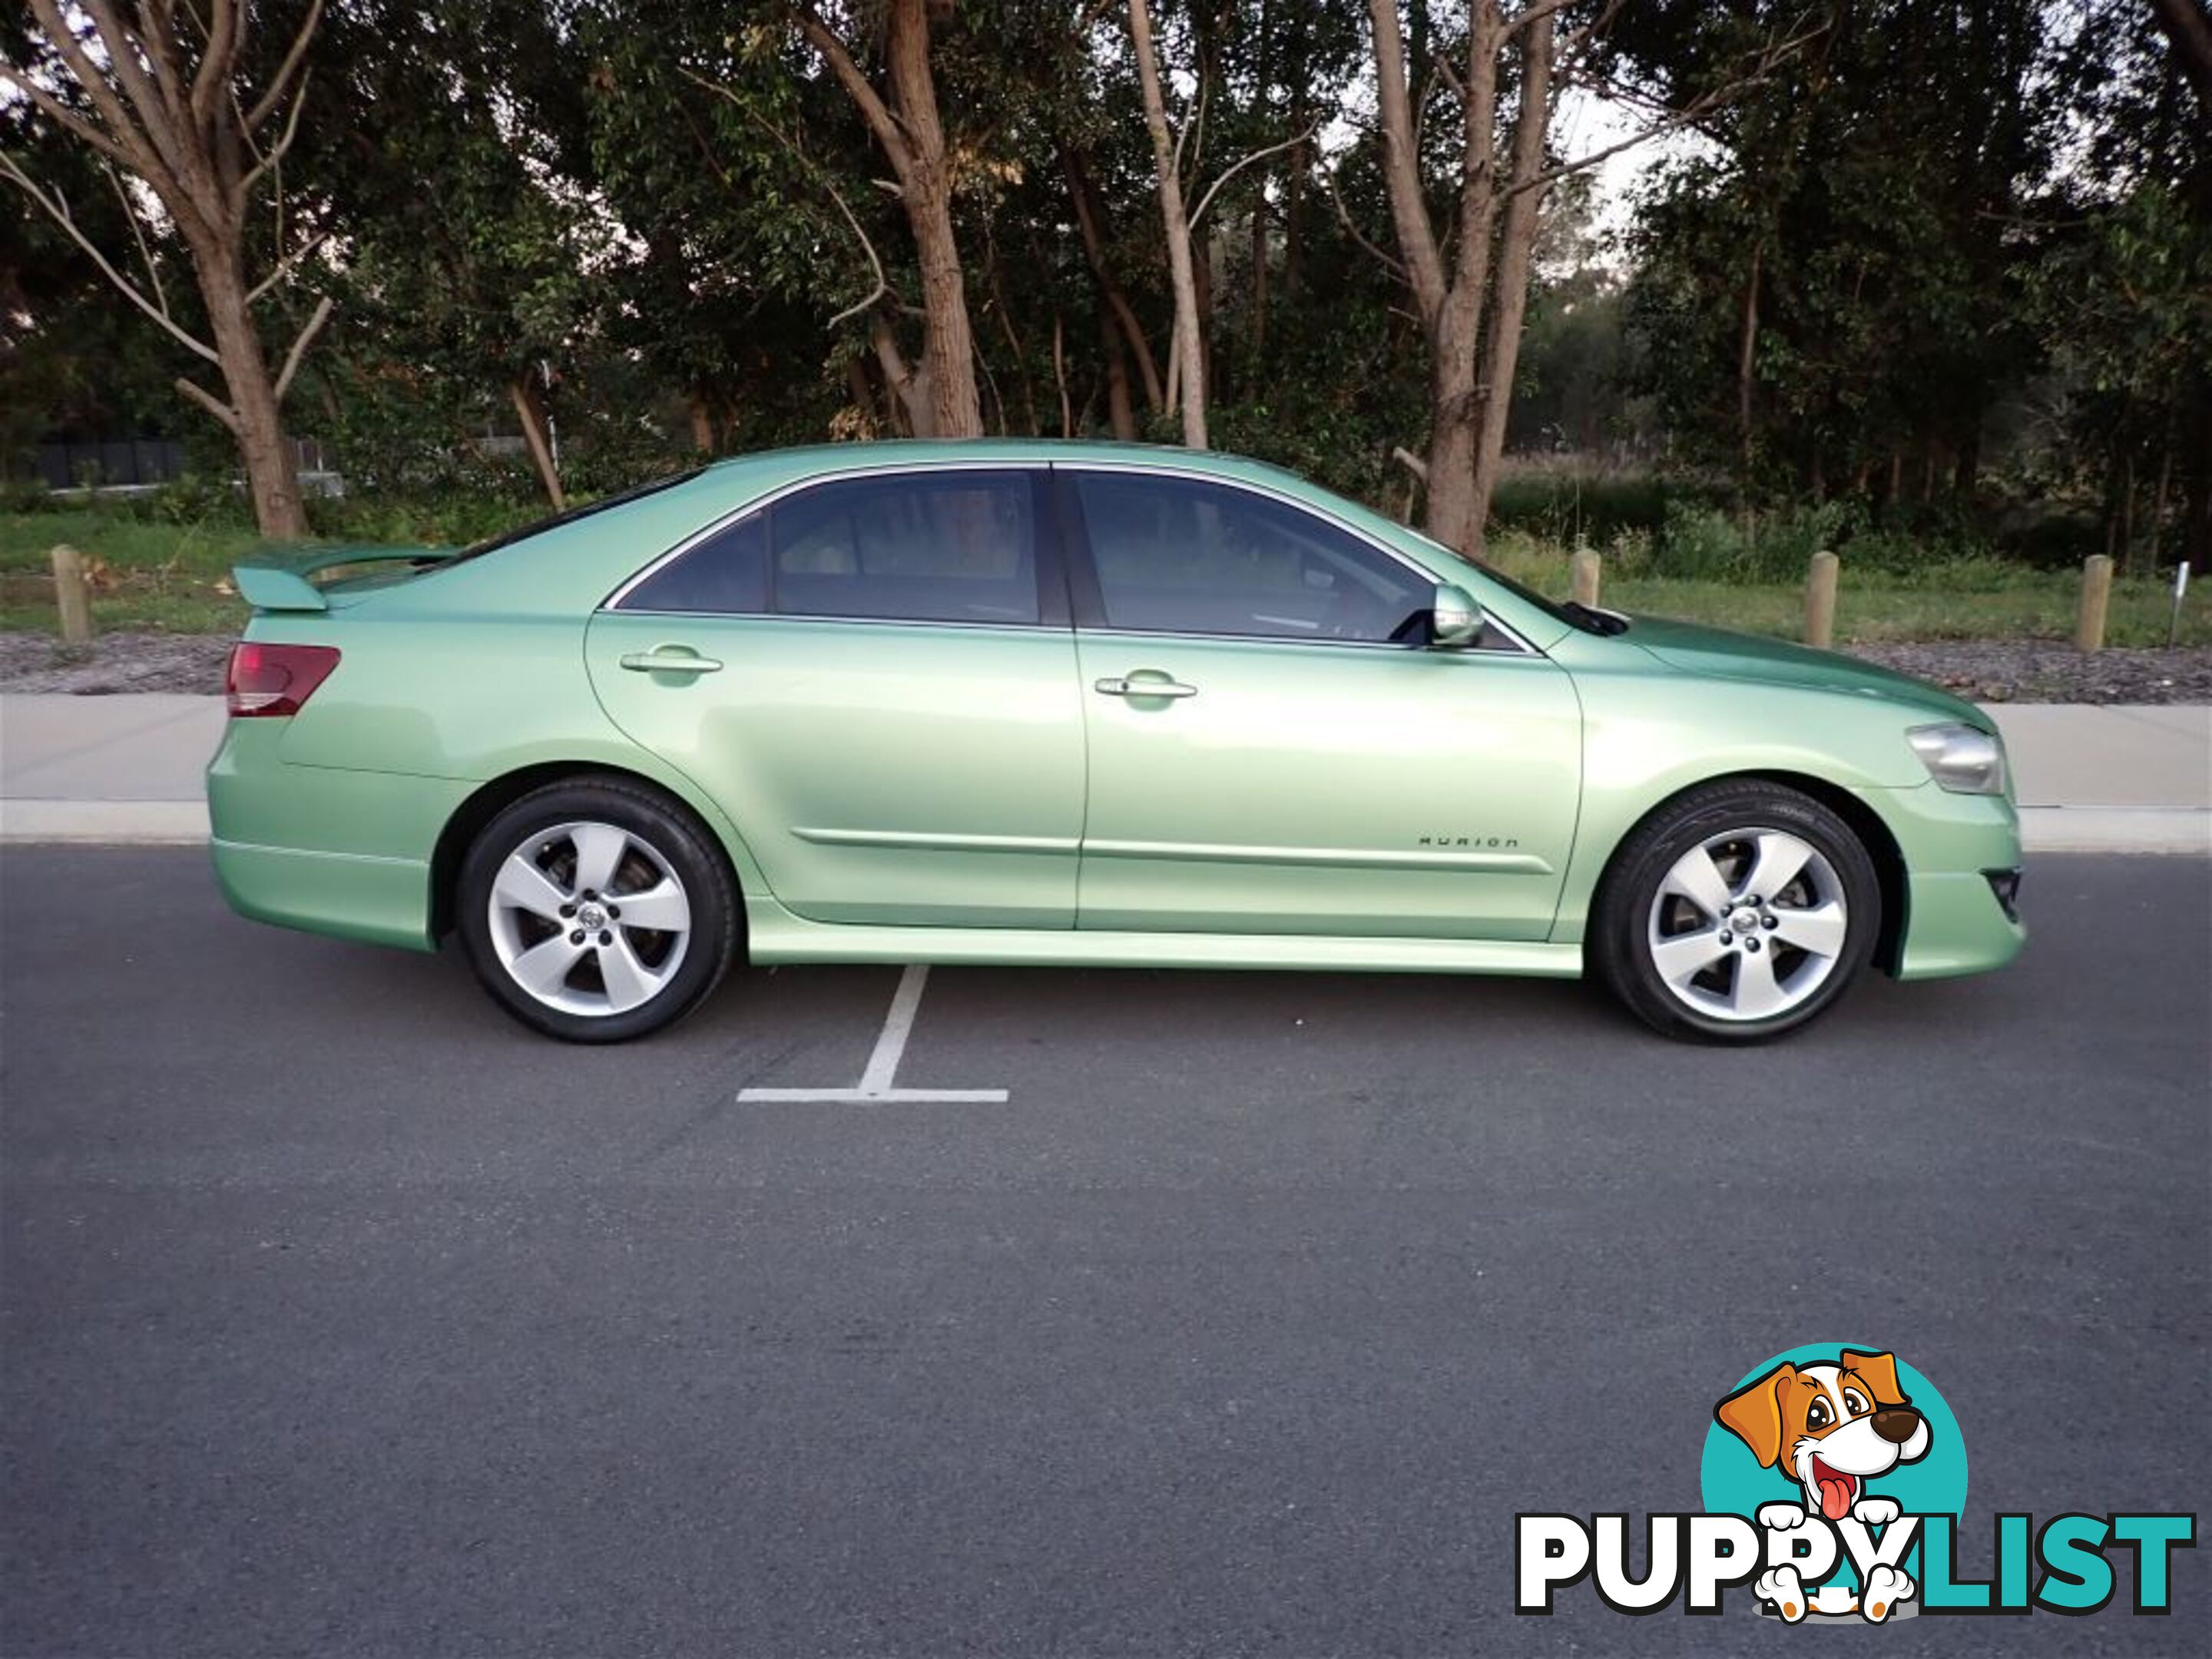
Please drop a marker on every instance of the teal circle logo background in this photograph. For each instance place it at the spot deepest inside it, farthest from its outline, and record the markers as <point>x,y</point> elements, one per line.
<point>1733,1483</point>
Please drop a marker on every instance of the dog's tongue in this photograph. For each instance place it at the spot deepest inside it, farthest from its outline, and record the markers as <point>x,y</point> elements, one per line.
<point>1835,1498</point>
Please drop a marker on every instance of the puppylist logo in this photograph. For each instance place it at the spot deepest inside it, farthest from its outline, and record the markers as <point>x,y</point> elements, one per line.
<point>1833,1481</point>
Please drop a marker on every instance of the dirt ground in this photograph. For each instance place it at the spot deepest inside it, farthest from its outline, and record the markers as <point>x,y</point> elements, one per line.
<point>2030,671</point>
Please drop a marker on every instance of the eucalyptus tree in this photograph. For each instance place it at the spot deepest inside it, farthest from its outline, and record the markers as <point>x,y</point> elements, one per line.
<point>196,109</point>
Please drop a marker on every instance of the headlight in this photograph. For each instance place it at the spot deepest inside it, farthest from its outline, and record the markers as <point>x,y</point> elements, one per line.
<point>1962,759</point>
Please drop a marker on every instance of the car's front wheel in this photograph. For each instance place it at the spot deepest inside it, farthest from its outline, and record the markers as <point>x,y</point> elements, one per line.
<point>1738,913</point>
<point>595,911</point>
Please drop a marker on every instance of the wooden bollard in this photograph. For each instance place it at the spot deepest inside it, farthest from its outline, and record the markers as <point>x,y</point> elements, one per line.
<point>72,596</point>
<point>2096,599</point>
<point>1820,600</point>
<point>1585,567</point>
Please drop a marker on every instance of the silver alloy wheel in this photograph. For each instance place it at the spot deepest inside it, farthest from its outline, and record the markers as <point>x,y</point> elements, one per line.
<point>590,918</point>
<point>1747,925</point>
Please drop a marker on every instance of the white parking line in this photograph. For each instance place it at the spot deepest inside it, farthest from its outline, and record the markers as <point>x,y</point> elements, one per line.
<point>878,1083</point>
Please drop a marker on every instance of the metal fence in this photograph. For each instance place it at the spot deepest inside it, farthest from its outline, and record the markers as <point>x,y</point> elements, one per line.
<point>133,461</point>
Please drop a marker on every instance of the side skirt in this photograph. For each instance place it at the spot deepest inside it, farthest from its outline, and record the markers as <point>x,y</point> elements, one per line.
<point>775,935</point>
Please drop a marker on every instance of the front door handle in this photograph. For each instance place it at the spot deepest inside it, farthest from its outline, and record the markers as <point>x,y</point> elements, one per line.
<point>1144,682</point>
<point>668,659</point>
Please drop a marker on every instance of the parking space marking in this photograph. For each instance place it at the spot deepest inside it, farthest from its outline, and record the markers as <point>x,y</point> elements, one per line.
<point>879,1083</point>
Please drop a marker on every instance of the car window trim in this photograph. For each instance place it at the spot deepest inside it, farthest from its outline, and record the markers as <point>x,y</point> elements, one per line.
<point>1089,598</point>
<point>1047,550</point>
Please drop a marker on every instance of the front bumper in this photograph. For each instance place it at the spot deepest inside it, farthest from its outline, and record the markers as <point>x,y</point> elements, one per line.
<point>1955,920</point>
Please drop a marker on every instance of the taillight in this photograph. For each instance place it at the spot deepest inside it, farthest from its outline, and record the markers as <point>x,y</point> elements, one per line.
<point>275,679</point>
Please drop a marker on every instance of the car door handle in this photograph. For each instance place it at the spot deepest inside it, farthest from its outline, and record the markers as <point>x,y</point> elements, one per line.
<point>667,659</point>
<point>1131,686</point>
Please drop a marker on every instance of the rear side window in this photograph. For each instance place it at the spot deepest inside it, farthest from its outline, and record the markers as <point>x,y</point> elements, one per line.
<point>958,546</point>
<point>948,547</point>
<point>725,574</point>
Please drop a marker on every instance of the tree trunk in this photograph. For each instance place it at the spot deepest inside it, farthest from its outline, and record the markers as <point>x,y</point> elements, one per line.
<point>1088,213</point>
<point>531,413</point>
<point>272,473</point>
<point>863,394</point>
<point>1967,466</point>
<point>1190,352</point>
<point>1118,411</point>
<point>1259,277</point>
<point>702,423</point>
<point>1746,360</point>
<point>948,343</point>
<point>1450,305</point>
<point>1454,434</point>
<point>1516,242</point>
<point>914,139</point>
<point>910,386</point>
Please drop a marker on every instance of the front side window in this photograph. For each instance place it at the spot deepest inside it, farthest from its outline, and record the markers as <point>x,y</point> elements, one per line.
<point>955,546</point>
<point>1182,555</point>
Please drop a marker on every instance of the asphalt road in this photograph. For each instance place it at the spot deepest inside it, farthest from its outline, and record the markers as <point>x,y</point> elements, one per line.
<point>343,1316</point>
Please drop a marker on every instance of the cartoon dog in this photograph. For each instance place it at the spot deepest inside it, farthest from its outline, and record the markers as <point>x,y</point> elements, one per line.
<point>1833,1427</point>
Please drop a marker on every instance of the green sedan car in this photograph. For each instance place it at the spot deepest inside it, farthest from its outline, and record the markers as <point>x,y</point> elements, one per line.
<point>1025,702</point>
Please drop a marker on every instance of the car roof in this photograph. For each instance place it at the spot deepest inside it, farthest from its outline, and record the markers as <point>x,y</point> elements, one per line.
<point>811,460</point>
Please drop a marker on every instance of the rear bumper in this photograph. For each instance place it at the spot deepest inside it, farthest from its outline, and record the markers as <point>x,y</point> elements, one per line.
<point>379,901</point>
<point>325,849</point>
<point>1955,920</point>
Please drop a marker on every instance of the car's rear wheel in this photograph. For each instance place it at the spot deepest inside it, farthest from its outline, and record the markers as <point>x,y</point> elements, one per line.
<point>1738,913</point>
<point>596,911</point>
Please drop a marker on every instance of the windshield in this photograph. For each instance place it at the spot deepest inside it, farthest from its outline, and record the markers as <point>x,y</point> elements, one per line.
<point>1568,611</point>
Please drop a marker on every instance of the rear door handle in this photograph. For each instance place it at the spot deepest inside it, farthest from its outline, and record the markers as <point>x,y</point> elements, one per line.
<point>1146,683</point>
<point>668,659</point>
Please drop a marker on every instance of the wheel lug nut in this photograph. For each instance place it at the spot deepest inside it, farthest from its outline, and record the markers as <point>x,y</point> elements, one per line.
<point>1770,921</point>
<point>606,936</point>
<point>616,910</point>
<point>1751,945</point>
<point>1753,900</point>
<point>576,938</point>
<point>567,909</point>
<point>1726,938</point>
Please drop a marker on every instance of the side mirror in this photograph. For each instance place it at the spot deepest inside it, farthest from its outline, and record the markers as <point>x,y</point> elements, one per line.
<point>1455,619</point>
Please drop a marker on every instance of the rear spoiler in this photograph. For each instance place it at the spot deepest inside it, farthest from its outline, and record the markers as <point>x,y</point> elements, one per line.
<point>286,587</point>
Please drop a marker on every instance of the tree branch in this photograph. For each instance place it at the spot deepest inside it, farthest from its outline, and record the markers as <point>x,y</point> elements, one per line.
<point>207,400</point>
<point>263,164</point>
<point>138,235</point>
<point>314,327</point>
<point>1417,240</point>
<point>1529,14</point>
<point>66,118</point>
<point>877,114</point>
<point>127,57</point>
<point>273,94</point>
<point>883,289</point>
<point>285,266</point>
<point>1691,114</point>
<point>221,33</point>
<point>58,209</point>
<point>1329,184</point>
<point>1199,212</point>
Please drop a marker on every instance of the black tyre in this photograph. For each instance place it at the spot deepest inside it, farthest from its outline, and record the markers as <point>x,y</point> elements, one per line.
<point>1737,913</point>
<point>596,910</point>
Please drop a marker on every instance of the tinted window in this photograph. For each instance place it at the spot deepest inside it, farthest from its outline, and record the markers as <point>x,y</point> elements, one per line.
<point>727,573</point>
<point>955,546</point>
<point>1180,555</point>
